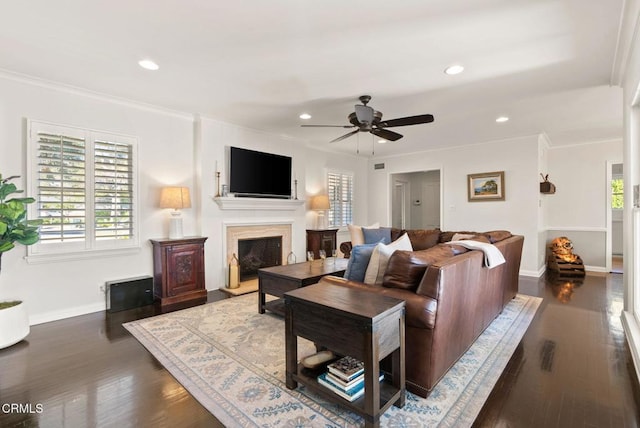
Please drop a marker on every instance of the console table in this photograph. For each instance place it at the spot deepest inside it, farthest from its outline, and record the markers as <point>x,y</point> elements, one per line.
<point>178,272</point>
<point>321,239</point>
<point>348,321</point>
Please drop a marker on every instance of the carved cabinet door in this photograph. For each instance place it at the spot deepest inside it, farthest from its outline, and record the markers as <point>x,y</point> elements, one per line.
<point>185,268</point>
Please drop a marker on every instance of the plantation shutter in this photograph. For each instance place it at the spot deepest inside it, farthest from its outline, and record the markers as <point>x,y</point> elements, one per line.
<point>85,186</point>
<point>113,193</point>
<point>340,189</point>
<point>61,192</point>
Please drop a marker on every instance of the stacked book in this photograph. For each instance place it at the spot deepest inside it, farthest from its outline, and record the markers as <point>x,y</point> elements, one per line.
<point>345,377</point>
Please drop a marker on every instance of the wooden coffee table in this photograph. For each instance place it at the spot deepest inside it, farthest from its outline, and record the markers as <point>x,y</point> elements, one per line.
<point>277,280</point>
<point>348,321</point>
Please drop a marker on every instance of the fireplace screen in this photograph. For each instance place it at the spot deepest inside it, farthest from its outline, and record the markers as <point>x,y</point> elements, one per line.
<point>258,253</point>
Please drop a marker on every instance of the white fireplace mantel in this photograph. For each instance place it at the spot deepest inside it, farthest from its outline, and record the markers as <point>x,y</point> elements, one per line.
<point>230,203</point>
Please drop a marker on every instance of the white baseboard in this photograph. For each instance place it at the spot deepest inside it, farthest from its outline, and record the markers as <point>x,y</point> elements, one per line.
<point>531,273</point>
<point>66,313</point>
<point>600,269</point>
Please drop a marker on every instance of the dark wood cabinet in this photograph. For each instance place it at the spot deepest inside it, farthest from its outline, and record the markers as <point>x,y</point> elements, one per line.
<point>178,272</point>
<point>321,239</point>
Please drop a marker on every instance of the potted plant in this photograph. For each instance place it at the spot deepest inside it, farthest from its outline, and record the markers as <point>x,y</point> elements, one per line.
<point>14,227</point>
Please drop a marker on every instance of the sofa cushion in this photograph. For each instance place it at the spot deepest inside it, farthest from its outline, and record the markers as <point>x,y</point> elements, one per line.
<point>422,239</point>
<point>497,235</point>
<point>374,236</point>
<point>396,233</point>
<point>357,238</point>
<point>406,268</point>
<point>447,236</point>
<point>380,259</point>
<point>358,262</point>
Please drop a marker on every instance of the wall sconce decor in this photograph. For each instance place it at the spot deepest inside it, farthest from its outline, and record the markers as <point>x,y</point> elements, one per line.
<point>546,186</point>
<point>320,203</point>
<point>176,198</point>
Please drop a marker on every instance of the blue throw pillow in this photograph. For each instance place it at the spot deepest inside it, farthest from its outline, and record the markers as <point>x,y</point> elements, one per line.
<point>374,236</point>
<point>358,262</point>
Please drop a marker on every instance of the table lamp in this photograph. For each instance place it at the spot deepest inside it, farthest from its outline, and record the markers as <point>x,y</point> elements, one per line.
<point>320,203</point>
<point>176,198</point>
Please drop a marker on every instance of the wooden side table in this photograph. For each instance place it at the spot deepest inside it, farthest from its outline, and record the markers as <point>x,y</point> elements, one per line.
<point>178,272</point>
<point>348,321</point>
<point>277,280</point>
<point>321,239</point>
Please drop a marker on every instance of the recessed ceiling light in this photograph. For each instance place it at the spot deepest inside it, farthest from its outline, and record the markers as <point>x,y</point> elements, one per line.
<point>147,64</point>
<point>382,141</point>
<point>305,116</point>
<point>454,69</point>
<point>502,119</point>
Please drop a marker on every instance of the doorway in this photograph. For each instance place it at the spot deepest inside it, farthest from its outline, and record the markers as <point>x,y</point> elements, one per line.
<point>616,187</point>
<point>415,200</point>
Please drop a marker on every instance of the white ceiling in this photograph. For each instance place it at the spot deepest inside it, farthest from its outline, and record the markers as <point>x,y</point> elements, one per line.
<point>547,64</point>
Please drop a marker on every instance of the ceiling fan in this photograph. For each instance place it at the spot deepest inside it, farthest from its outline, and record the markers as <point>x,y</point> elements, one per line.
<point>366,119</point>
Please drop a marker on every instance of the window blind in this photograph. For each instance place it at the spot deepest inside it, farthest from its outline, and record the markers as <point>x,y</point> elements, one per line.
<point>61,194</point>
<point>340,190</point>
<point>113,194</point>
<point>85,185</point>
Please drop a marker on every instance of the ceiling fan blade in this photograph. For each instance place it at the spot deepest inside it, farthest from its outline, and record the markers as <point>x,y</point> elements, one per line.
<point>386,134</point>
<point>345,136</point>
<point>327,126</point>
<point>404,121</point>
<point>364,113</point>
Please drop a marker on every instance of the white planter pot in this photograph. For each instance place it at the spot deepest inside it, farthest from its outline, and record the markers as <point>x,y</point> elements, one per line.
<point>14,325</point>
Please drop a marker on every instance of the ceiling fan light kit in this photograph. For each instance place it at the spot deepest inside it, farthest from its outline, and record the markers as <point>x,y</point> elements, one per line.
<point>366,119</point>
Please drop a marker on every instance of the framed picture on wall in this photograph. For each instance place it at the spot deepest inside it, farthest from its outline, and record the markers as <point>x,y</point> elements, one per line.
<point>488,186</point>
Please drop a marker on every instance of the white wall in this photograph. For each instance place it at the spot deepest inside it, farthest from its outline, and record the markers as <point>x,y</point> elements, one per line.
<point>174,148</point>
<point>517,213</point>
<point>57,290</point>
<point>579,207</point>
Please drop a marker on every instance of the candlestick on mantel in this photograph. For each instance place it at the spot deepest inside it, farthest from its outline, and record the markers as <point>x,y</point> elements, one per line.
<point>217,184</point>
<point>295,185</point>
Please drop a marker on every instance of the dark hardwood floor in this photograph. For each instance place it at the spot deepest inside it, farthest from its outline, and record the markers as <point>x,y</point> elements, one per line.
<point>572,369</point>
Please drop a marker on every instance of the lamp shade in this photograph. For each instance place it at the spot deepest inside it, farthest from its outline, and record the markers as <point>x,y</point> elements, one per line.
<point>320,202</point>
<point>175,197</point>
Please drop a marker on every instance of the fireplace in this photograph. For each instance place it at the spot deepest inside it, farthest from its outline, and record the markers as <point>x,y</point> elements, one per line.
<point>257,253</point>
<point>275,236</point>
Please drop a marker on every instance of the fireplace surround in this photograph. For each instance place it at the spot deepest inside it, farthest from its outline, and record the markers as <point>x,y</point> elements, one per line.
<point>249,231</point>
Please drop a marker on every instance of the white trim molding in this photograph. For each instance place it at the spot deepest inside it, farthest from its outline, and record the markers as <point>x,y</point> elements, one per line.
<point>228,203</point>
<point>632,333</point>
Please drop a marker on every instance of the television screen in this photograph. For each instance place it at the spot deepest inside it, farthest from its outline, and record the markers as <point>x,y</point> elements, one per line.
<point>259,174</point>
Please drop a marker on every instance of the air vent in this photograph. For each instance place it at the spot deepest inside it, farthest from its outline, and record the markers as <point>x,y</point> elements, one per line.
<point>378,166</point>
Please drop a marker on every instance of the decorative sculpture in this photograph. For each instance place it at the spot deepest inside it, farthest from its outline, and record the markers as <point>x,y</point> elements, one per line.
<point>562,259</point>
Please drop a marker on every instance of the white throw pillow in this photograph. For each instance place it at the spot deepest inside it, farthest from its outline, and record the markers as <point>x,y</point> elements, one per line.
<point>357,237</point>
<point>380,259</point>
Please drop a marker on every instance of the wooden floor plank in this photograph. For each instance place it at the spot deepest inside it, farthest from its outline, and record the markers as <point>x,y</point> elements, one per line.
<point>572,369</point>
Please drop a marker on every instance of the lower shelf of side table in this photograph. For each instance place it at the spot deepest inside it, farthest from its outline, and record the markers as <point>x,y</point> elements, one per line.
<point>276,306</point>
<point>389,394</point>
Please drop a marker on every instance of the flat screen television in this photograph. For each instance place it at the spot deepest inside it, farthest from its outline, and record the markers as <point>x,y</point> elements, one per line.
<point>259,174</point>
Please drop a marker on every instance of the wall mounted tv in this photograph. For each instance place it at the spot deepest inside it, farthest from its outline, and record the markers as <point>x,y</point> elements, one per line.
<point>259,174</point>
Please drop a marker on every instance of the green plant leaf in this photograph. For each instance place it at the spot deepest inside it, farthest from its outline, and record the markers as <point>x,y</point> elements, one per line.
<point>7,189</point>
<point>6,246</point>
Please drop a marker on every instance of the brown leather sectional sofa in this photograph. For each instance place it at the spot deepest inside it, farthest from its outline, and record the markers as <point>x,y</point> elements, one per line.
<point>451,297</point>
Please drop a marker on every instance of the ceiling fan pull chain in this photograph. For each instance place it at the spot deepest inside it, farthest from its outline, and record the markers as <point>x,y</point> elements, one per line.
<point>373,146</point>
<point>358,144</point>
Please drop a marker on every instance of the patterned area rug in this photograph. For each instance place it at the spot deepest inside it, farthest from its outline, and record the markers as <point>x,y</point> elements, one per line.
<point>232,360</point>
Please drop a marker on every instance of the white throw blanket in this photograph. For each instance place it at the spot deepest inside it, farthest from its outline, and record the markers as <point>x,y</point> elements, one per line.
<point>492,255</point>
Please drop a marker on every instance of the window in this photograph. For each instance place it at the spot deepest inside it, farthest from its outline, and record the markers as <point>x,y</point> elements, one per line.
<point>340,186</point>
<point>617,193</point>
<point>85,187</point>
